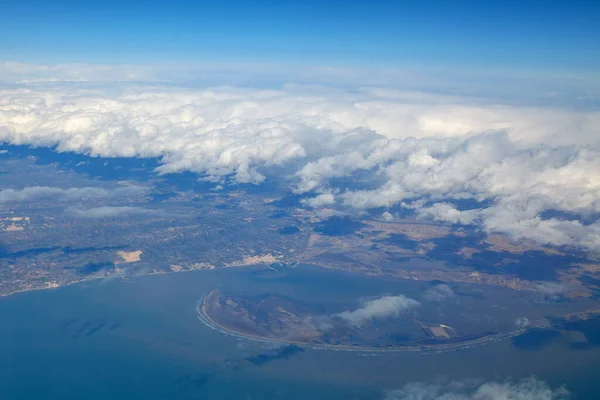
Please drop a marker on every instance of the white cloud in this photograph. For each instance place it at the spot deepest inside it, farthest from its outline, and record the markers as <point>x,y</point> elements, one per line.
<point>551,291</point>
<point>383,82</point>
<point>112,212</point>
<point>519,160</point>
<point>322,200</point>
<point>387,216</point>
<point>439,293</point>
<point>522,322</point>
<point>526,389</point>
<point>381,308</point>
<point>445,212</point>
<point>32,193</point>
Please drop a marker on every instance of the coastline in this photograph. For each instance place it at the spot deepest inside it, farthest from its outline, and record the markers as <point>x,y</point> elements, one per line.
<point>51,287</point>
<point>124,277</point>
<point>121,277</point>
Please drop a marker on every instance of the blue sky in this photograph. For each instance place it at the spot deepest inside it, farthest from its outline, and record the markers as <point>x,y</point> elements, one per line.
<point>548,35</point>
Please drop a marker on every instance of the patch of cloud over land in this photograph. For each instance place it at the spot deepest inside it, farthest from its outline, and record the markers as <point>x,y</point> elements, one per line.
<point>381,308</point>
<point>532,168</point>
<point>32,193</point>
<point>111,212</point>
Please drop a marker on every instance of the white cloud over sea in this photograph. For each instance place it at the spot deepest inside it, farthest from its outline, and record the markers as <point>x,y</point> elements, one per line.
<point>409,148</point>
<point>526,389</point>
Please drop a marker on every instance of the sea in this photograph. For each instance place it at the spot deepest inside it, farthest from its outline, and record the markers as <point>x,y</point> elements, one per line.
<point>140,338</point>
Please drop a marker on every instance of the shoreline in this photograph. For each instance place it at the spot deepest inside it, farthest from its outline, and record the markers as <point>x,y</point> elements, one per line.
<point>120,277</point>
<point>233,265</point>
<point>123,277</point>
<point>51,287</point>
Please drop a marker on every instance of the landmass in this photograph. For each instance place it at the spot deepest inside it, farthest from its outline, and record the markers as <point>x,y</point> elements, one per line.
<point>275,319</point>
<point>163,224</point>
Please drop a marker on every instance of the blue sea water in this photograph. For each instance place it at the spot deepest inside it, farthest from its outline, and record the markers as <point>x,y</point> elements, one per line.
<point>141,339</point>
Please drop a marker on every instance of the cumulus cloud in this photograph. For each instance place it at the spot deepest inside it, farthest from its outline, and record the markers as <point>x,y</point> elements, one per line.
<point>439,293</point>
<point>522,322</point>
<point>33,193</point>
<point>322,200</point>
<point>447,213</point>
<point>551,291</point>
<point>403,145</point>
<point>381,308</point>
<point>550,288</point>
<point>387,216</point>
<point>526,389</point>
<point>112,212</point>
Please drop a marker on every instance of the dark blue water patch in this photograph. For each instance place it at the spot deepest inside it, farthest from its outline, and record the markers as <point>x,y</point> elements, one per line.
<point>103,168</point>
<point>535,339</point>
<point>401,240</point>
<point>459,204</point>
<point>288,200</point>
<point>357,181</point>
<point>590,328</point>
<point>184,181</point>
<point>289,230</point>
<point>470,204</point>
<point>29,252</point>
<point>447,249</point>
<point>67,250</point>
<point>278,215</point>
<point>585,219</point>
<point>227,206</point>
<point>537,265</point>
<point>282,353</point>
<point>82,250</point>
<point>452,244</point>
<point>531,265</point>
<point>588,280</point>
<point>338,226</point>
<point>91,268</point>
